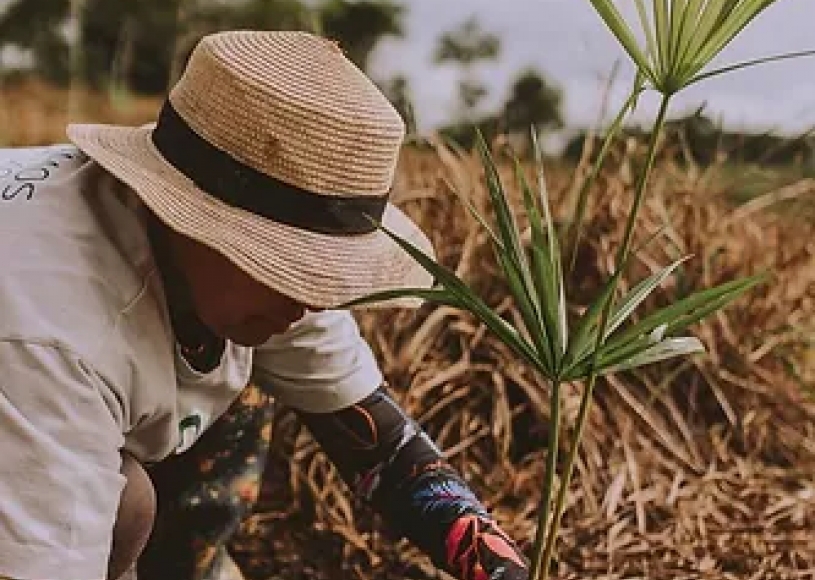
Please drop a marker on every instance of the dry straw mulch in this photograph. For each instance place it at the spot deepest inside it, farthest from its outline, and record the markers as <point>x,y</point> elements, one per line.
<point>695,469</point>
<point>33,112</point>
<point>698,469</point>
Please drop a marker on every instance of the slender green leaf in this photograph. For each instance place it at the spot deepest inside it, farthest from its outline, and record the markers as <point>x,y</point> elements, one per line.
<point>541,266</point>
<point>511,270</point>
<point>620,313</point>
<point>582,367</point>
<point>617,359</point>
<point>650,41</point>
<point>639,293</point>
<point>690,27</point>
<point>618,27</point>
<point>663,350</point>
<point>535,224</point>
<point>706,26</point>
<point>609,356</point>
<point>728,27</point>
<point>556,308</point>
<point>512,251</point>
<point>512,258</point>
<point>526,309</point>
<point>584,336</point>
<point>555,355</point>
<point>687,307</point>
<point>679,10</point>
<point>434,295</point>
<point>472,303</point>
<point>749,63</point>
<point>663,35</point>
<point>507,227</point>
<point>681,323</point>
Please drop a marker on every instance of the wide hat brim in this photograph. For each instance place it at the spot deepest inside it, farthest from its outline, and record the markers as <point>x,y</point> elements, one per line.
<point>317,269</point>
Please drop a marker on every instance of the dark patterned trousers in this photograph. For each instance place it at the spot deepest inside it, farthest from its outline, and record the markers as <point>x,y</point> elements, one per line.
<point>205,493</point>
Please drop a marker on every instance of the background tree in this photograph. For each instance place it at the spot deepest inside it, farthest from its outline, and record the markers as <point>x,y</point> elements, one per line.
<point>143,45</point>
<point>359,25</point>
<point>467,46</point>
<point>397,90</point>
<point>196,19</point>
<point>132,41</point>
<point>35,26</point>
<point>110,33</point>
<point>532,102</point>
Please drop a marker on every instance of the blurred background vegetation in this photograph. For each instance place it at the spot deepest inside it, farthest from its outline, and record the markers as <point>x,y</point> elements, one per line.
<point>125,51</point>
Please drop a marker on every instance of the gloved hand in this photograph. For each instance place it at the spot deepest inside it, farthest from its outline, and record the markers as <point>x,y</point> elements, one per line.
<point>477,549</point>
<point>388,460</point>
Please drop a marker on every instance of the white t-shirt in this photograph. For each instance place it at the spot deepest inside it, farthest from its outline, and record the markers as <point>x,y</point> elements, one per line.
<point>89,365</point>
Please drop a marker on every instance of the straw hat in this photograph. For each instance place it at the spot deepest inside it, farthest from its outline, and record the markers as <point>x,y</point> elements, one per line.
<point>273,148</point>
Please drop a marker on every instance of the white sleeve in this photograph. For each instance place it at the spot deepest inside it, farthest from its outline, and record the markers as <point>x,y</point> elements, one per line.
<point>320,365</point>
<point>60,483</point>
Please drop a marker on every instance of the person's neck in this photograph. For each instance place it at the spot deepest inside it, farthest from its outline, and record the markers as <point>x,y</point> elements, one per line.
<point>200,346</point>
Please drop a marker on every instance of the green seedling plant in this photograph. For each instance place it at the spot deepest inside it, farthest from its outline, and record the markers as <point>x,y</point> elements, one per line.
<point>682,37</point>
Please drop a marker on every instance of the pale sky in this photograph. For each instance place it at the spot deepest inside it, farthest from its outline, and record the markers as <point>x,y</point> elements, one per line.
<point>566,40</point>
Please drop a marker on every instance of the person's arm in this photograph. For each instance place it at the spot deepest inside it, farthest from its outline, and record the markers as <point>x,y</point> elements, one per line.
<point>389,461</point>
<point>60,478</point>
<point>325,371</point>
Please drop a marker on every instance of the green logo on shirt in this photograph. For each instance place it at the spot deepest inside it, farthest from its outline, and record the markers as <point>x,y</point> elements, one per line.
<point>189,428</point>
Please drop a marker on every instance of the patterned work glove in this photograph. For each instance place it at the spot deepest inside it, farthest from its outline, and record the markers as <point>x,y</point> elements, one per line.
<point>438,512</point>
<point>477,549</point>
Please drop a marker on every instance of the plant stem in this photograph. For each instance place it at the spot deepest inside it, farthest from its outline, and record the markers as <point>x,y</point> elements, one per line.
<point>622,254</point>
<point>548,483</point>
<point>586,399</point>
<point>576,229</point>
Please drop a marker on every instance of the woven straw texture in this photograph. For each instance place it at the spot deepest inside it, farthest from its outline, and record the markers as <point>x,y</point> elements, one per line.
<point>292,106</point>
<point>306,114</point>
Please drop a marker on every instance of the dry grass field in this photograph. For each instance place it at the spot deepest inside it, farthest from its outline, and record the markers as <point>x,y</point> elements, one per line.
<point>701,468</point>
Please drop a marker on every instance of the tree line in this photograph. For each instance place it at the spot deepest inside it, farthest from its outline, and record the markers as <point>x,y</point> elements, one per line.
<point>141,46</point>
<point>699,139</point>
